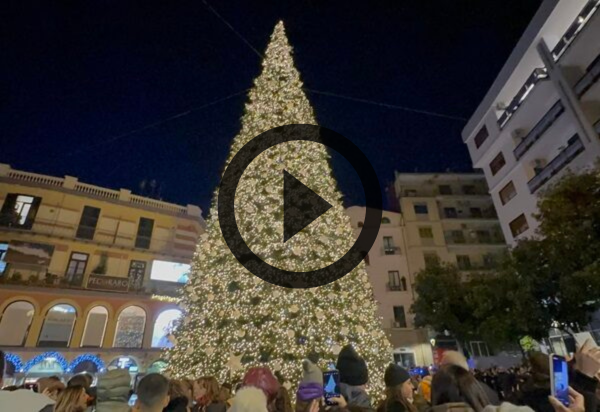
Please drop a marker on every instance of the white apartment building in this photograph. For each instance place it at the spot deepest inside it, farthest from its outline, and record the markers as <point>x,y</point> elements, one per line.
<point>391,279</point>
<point>541,115</point>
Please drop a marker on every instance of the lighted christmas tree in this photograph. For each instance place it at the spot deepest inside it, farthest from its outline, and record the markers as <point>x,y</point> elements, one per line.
<point>233,319</point>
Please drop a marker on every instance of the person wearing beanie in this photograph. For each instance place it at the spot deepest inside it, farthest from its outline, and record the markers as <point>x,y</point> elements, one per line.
<point>263,379</point>
<point>354,377</point>
<point>398,390</point>
<point>311,385</point>
<point>249,399</point>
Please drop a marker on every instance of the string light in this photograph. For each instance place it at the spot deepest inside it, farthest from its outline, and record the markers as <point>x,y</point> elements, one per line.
<point>164,298</point>
<point>15,360</point>
<point>87,358</point>
<point>231,316</point>
<point>55,356</point>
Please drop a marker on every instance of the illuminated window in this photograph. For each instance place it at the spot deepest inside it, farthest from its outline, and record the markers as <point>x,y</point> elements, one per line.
<point>164,326</point>
<point>19,211</point>
<point>3,250</point>
<point>130,328</point>
<point>58,327</point>
<point>15,323</point>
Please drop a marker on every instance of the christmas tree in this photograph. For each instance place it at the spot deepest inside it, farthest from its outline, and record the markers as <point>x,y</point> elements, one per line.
<point>234,320</point>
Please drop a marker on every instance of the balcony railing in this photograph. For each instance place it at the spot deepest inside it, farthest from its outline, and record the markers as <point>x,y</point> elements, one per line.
<point>538,74</point>
<point>485,214</point>
<point>390,250</point>
<point>471,237</point>
<point>557,164</point>
<point>538,130</point>
<point>575,28</point>
<point>395,287</point>
<point>589,78</point>
<point>398,324</point>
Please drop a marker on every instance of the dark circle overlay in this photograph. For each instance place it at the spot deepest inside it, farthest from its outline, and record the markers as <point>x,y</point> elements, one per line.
<point>234,239</point>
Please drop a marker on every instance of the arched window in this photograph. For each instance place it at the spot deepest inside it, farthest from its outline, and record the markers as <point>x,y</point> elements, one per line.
<point>58,327</point>
<point>130,328</point>
<point>165,324</point>
<point>15,323</point>
<point>385,220</point>
<point>95,326</point>
<point>403,283</point>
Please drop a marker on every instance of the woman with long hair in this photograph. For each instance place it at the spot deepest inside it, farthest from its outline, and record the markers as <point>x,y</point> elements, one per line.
<point>398,391</point>
<point>454,388</point>
<point>209,400</point>
<point>71,399</point>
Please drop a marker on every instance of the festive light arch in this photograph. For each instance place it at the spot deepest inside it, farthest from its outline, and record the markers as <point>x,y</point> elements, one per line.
<point>15,360</point>
<point>40,358</point>
<point>85,358</point>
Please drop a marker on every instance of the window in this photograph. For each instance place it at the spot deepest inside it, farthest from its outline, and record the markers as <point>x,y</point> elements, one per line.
<point>450,213</point>
<point>431,259</point>
<point>476,212</point>
<point>144,233</point>
<point>479,349</point>
<point>489,261</point>
<point>88,222</point>
<point>367,259</point>
<point>484,236</point>
<point>385,220</point>
<point>426,233</point>
<point>394,279</point>
<point>15,323</point>
<point>19,211</point>
<point>497,164</point>
<point>463,262</point>
<point>518,225</point>
<point>137,271</point>
<point>95,326</point>
<point>445,190</point>
<point>3,250</point>
<point>388,245</point>
<point>421,209</point>
<point>458,236</point>
<point>399,317</point>
<point>507,193</point>
<point>480,137</point>
<point>164,326</point>
<point>76,268</point>
<point>58,327</point>
<point>469,190</point>
<point>130,328</point>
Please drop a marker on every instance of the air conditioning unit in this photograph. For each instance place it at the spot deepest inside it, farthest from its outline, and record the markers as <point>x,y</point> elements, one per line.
<point>518,135</point>
<point>501,106</point>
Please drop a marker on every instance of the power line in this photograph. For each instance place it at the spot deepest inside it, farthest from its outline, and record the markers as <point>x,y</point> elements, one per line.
<point>387,105</point>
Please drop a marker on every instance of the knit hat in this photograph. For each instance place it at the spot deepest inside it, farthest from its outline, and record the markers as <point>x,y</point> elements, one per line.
<point>353,368</point>
<point>249,399</point>
<point>262,378</point>
<point>455,358</point>
<point>395,375</point>
<point>311,372</point>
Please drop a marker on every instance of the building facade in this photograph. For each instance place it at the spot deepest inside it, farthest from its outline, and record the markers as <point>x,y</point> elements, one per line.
<point>387,266</point>
<point>88,274</point>
<point>541,116</point>
<point>449,217</point>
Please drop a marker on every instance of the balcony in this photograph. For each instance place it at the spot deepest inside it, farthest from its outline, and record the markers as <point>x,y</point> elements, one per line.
<point>390,250</point>
<point>396,287</point>
<point>489,214</point>
<point>474,237</point>
<point>398,324</point>
<point>575,28</point>
<point>557,164</point>
<point>538,74</point>
<point>589,78</point>
<point>538,130</point>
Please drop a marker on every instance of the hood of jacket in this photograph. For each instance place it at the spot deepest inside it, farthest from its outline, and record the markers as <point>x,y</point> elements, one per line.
<point>355,396</point>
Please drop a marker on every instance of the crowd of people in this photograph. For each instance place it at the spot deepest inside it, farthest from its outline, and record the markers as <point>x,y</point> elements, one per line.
<point>452,387</point>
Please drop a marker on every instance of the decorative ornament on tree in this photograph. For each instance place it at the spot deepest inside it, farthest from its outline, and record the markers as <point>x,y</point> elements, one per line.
<point>221,287</point>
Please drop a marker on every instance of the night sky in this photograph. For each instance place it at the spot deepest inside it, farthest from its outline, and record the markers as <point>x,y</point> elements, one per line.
<point>83,82</point>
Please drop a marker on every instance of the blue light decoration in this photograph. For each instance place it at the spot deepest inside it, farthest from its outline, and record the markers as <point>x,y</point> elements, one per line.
<point>15,360</point>
<point>43,356</point>
<point>87,357</point>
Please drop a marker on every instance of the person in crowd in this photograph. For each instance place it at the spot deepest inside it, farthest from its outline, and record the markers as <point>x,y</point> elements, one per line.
<point>179,404</point>
<point>249,399</point>
<point>354,377</point>
<point>85,380</point>
<point>225,393</point>
<point>282,402</point>
<point>20,399</point>
<point>180,396</point>
<point>152,393</point>
<point>424,391</point>
<point>311,385</point>
<point>576,402</point>
<point>263,379</point>
<point>72,399</point>
<point>209,400</point>
<point>113,391</point>
<point>454,389</point>
<point>458,359</point>
<point>398,390</point>
<point>51,387</point>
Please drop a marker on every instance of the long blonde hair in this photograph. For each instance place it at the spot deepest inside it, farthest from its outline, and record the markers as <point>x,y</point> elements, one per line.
<point>212,387</point>
<point>69,400</point>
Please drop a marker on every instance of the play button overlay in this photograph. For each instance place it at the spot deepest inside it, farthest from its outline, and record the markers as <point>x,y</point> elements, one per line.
<point>301,206</point>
